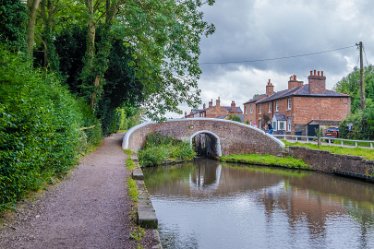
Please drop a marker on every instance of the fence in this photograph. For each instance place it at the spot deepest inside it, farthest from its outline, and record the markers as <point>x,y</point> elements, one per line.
<point>328,141</point>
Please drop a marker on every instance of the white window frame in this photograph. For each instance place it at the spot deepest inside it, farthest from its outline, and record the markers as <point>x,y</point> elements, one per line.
<point>250,108</point>
<point>274,124</point>
<point>282,125</point>
<point>270,107</point>
<point>259,109</point>
<point>276,106</point>
<point>289,104</point>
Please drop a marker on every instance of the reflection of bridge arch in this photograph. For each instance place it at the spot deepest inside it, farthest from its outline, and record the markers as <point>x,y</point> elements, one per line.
<point>217,146</point>
<point>234,137</point>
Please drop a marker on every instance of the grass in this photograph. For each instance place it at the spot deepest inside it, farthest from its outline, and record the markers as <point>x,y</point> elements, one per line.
<point>133,190</point>
<point>128,152</point>
<point>362,152</point>
<point>161,149</point>
<point>137,234</point>
<point>268,160</point>
<point>130,164</point>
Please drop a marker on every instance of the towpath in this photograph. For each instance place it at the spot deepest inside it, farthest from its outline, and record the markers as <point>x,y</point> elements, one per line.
<point>89,209</point>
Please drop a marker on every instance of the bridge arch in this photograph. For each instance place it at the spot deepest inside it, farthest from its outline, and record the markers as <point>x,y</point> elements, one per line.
<point>218,150</point>
<point>233,137</point>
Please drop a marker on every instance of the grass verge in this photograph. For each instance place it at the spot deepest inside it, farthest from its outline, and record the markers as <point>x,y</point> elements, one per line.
<point>362,152</point>
<point>268,160</point>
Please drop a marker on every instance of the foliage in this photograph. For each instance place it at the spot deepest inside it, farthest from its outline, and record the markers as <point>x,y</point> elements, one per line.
<point>269,160</point>
<point>365,153</point>
<point>133,190</point>
<point>130,164</point>
<point>350,85</point>
<point>160,149</point>
<point>40,123</point>
<point>234,117</point>
<point>13,18</point>
<point>362,120</point>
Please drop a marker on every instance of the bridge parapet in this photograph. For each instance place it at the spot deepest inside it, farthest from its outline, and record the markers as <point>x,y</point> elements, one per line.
<point>233,137</point>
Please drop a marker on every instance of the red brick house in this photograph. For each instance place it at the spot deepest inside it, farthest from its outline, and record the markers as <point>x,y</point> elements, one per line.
<point>216,111</point>
<point>300,108</point>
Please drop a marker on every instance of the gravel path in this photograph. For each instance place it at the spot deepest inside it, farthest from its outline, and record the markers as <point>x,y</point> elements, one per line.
<point>89,209</point>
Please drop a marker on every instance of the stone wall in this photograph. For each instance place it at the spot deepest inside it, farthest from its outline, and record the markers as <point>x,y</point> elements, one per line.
<point>233,137</point>
<point>327,162</point>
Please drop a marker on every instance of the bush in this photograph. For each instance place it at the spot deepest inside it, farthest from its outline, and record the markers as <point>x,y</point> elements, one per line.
<point>159,149</point>
<point>40,123</point>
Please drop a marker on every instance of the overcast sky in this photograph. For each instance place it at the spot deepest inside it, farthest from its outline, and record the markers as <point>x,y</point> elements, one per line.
<point>261,29</point>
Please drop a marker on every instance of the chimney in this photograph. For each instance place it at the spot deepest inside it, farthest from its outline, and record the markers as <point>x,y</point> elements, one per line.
<point>218,102</point>
<point>269,88</point>
<point>293,82</point>
<point>317,82</point>
<point>233,106</point>
<point>204,107</point>
<point>211,103</point>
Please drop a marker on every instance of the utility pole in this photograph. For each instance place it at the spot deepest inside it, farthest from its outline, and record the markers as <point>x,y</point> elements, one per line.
<point>362,83</point>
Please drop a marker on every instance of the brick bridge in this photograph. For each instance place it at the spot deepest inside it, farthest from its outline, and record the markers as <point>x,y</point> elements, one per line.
<point>226,137</point>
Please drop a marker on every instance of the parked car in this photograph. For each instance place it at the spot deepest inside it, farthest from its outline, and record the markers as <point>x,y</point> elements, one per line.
<point>332,132</point>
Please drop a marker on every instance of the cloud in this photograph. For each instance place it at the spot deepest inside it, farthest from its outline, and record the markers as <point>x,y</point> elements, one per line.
<point>259,29</point>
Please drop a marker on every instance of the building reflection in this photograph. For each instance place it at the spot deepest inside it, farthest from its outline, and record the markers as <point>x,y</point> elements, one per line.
<point>310,199</point>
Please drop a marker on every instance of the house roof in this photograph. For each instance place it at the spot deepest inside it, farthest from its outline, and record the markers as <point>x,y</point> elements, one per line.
<point>301,91</point>
<point>280,117</point>
<point>237,109</point>
<point>256,98</point>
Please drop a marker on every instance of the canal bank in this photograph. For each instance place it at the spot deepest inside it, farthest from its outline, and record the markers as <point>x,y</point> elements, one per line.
<point>326,162</point>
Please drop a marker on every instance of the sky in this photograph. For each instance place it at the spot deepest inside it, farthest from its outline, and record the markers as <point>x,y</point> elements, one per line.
<point>248,30</point>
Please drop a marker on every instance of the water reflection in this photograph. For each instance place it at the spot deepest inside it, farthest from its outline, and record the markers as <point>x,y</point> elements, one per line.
<point>257,207</point>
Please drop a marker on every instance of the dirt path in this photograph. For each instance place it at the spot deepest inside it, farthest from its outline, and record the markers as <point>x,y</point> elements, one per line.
<point>90,209</point>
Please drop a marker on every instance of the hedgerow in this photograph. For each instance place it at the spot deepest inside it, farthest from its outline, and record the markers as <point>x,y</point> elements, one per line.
<point>40,135</point>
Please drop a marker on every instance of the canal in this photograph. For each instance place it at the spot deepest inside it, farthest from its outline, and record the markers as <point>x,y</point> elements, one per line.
<point>209,204</point>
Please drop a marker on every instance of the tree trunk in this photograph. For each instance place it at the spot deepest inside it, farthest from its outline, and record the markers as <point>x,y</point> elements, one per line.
<point>33,7</point>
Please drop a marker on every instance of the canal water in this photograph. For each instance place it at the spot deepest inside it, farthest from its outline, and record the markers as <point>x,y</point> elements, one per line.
<point>208,204</point>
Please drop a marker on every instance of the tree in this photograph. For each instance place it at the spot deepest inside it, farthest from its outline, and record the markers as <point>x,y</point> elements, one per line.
<point>350,85</point>
<point>362,121</point>
<point>32,6</point>
<point>13,18</point>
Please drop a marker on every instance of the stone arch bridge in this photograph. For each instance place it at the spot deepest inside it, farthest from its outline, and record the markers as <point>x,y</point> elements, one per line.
<point>227,137</point>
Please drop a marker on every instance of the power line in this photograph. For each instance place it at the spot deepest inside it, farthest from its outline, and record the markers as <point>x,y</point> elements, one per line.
<point>277,58</point>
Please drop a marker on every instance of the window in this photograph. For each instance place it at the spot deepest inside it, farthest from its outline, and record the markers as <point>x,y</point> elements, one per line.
<point>289,125</point>
<point>275,125</point>
<point>276,106</point>
<point>270,107</point>
<point>245,110</point>
<point>260,109</point>
<point>250,108</point>
<point>289,104</point>
<point>282,125</point>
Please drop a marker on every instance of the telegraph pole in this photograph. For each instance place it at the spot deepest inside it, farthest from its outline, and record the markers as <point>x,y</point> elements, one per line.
<point>362,83</point>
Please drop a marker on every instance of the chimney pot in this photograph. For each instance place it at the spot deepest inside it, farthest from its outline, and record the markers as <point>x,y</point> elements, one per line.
<point>315,72</point>
<point>311,72</point>
<point>321,73</point>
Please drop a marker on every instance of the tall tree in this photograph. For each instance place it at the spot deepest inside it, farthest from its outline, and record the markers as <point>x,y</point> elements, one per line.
<point>33,6</point>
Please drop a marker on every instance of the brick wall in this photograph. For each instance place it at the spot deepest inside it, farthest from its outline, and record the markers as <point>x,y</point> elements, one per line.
<point>234,137</point>
<point>324,161</point>
<point>319,108</point>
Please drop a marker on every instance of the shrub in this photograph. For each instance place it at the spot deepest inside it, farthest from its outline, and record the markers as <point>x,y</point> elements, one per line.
<point>159,149</point>
<point>39,128</point>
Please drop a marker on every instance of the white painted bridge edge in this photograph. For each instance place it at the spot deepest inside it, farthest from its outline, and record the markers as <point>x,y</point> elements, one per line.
<point>125,142</point>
